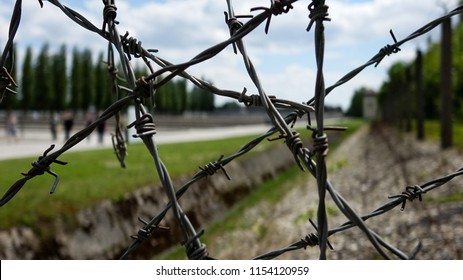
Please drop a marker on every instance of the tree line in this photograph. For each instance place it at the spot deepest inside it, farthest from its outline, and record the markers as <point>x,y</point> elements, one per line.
<point>49,82</point>
<point>397,93</point>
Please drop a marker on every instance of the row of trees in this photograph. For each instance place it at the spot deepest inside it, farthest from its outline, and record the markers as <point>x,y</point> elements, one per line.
<point>48,83</point>
<point>401,82</point>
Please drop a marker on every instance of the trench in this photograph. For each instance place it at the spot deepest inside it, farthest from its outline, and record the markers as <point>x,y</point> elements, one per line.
<point>104,230</point>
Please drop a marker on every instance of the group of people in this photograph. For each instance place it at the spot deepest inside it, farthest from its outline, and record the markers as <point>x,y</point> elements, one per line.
<point>68,124</point>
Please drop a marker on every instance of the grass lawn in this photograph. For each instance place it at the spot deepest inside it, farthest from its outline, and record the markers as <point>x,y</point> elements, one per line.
<point>92,176</point>
<point>432,133</point>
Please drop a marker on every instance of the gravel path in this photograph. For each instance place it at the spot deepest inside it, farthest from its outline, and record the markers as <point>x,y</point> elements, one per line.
<point>365,169</point>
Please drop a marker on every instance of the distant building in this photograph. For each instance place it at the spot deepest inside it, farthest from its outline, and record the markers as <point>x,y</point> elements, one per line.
<point>370,105</point>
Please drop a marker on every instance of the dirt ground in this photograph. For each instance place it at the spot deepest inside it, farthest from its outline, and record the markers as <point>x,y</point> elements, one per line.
<point>365,169</point>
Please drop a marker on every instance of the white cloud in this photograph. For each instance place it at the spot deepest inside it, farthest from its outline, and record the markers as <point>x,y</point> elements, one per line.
<point>180,29</point>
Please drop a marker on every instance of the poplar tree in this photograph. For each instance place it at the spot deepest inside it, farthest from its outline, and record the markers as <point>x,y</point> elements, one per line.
<point>27,82</point>
<point>60,81</point>
<point>88,81</point>
<point>76,81</point>
<point>43,80</point>
<point>102,90</point>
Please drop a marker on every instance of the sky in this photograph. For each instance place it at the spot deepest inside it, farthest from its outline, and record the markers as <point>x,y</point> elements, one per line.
<point>284,58</point>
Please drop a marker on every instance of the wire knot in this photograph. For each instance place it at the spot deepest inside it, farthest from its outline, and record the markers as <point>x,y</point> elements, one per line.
<point>6,80</point>
<point>318,12</point>
<point>119,146</point>
<point>388,49</point>
<point>310,240</point>
<point>109,12</point>
<point>212,167</point>
<point>132,46</point>
<point>252,100</point>
<point>195,251</point>
<point>277,7</point>
<point>143,89</point>
<point>39,168</point>
<point>234,25</point>
<point>144,126</point>
<point>320,144</point>
<point>294,144</point>
<point>410,193</point>
<point>144,233</point>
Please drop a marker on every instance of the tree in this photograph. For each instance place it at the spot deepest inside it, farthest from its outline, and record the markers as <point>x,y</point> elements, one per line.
<point>43,80</point>
<point>88,81</point>
<point>27,81</point>
<point>102,90</point>
<point>60,81</point>
<point>201,100</point>
<point>76,81</point>
<point>356,103</point>
<point>179,97</point>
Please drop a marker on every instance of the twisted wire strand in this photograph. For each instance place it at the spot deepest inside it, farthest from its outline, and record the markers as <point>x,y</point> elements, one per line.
<point>144,88</point>
<point>389,49</point>
<point>222,161</point>
<point>7,58</point>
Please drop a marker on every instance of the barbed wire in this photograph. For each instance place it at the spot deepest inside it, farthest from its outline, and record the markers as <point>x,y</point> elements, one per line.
<point>140,90</point>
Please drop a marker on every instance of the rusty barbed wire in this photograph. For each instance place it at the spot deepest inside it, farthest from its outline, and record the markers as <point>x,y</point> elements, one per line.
<point>141,89</point>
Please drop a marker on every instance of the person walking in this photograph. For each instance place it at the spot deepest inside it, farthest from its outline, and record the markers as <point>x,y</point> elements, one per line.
<point>53,126</point>
<point>11,127</point>
<point>101,129</point>
<point>68,123</point>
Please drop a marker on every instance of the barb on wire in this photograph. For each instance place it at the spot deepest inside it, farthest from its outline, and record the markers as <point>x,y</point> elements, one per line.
<point>389,49</point>
<point>212,167</point>
<point>39,167</point>
<point>141,88</point>
<point>6,81</point>
<point>234,25</point>
<point>145,232</point>
<point>410,194</point>
<point>277,7</point>
<point>7,57</point>
<point>132,46</point>
<point>310,240</point>
<point>144,126</point>
<point>109,13</point>
<point>318,12</point>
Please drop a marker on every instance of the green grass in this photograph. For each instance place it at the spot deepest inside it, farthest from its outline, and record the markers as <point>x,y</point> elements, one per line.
<point>91,176</point>
<point>432,132</point>
<point>456,197</point>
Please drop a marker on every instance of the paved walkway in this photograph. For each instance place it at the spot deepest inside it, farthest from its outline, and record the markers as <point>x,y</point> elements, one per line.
<point>33,142</point>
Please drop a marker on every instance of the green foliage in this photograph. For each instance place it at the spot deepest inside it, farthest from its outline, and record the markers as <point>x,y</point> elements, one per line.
<point>27,83</point>
<point>88,81</point>
<point>356,104</point>
<point>102,97</point>
<point>48,83</point>
<point>43,89</point>
<point>402,78</point>
<point>60,81</point>
<point>201,100</point>
<point>76,80</point>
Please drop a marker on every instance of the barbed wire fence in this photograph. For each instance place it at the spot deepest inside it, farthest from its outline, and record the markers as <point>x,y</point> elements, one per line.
<point>140,90</point>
